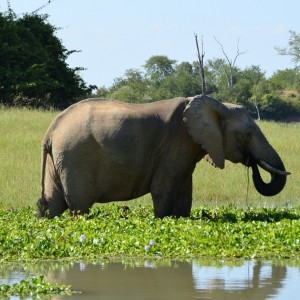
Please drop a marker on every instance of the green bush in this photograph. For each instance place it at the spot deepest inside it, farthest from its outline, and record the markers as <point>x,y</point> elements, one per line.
<point>33,67</point>
<point>273,107</point>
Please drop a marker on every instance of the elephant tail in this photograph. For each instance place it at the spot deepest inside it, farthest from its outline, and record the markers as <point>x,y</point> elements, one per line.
<point>46,149</point>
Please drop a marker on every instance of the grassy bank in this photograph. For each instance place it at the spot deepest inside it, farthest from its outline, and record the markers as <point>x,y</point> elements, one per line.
<point>21,131</point>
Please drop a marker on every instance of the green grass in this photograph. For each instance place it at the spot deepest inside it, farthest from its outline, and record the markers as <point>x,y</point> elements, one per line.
<point>21,132</point>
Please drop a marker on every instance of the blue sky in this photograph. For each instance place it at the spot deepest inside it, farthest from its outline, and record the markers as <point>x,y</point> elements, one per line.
<point>115,35</point>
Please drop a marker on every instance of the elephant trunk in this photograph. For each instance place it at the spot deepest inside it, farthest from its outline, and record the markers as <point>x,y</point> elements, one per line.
<point>278,178</point>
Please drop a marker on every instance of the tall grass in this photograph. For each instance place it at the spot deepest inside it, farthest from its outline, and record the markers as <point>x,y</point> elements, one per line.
<point>21,131</point>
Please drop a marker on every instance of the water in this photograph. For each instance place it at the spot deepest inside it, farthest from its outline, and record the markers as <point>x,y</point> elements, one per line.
<point>161,279</point>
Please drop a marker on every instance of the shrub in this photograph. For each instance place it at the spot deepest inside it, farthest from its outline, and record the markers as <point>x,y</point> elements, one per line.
<point>273,107</point>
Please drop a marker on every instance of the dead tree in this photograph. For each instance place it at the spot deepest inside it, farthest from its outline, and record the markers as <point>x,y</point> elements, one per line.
<point>231,63</point>
<point>201,63</point>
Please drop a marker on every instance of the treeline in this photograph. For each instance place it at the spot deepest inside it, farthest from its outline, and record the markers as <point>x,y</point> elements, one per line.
<point>162,78</point>
<point>34,73</point>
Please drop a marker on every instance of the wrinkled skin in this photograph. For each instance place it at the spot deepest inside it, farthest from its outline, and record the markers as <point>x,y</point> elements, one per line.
<point>103,151</point>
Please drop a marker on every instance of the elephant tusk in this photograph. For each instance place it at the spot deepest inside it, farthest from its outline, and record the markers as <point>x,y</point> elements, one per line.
<point>271,169</point>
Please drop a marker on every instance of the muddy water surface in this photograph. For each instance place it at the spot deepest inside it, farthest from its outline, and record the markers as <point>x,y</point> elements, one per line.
<point>160,279</point>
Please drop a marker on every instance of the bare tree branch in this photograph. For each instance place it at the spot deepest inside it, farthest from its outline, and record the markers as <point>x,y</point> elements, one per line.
<point>201,63</point>
<point>238,53</point>
<point>40,8</point>
<point>231,63</point>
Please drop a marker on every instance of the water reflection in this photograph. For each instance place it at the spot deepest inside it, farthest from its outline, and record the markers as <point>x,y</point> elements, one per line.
<point>254,280</point>
<point>130,279</point>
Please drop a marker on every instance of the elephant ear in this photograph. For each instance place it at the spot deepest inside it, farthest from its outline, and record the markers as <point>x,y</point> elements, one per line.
<point>204,117</point>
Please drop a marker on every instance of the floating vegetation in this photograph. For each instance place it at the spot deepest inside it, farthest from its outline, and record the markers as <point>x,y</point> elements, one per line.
<point>33,287</point>
<point>107,232</point>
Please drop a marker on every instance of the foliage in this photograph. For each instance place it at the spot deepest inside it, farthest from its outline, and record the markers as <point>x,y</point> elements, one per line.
<point>286,79</point>
<point>131,88</point>
<point>33,67</point>
<point>114,231</point>
<point>272,106</point>
<point>294,47</point>
<point>35,286</point>
<point>158,67</point>
<point>163,78</point>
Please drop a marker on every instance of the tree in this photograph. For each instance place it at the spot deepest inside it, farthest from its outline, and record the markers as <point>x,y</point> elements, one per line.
<point>186,80</point>
<point>258,91</point>
<point>33,68</point>
<point>251,88</point>
<point>273,107</point>
<point>159,67</point>
<point>132,87</point>
<point>284,79</point>
<point>230,68</point>
<point>293,49</point>
<point>218,79</point>
<point>101,92</point>
<point>246,80</point>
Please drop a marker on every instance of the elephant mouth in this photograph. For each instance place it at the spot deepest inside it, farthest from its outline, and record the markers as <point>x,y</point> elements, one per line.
<point>278,177</point>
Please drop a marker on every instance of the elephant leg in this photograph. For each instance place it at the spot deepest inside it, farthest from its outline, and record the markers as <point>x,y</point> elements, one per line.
<point>53,194</point>
<point>163,205</point>
<point>162,197</point>
<point>80,190</point>
<point>183,201</point>
<point>57,205</point>
<point>163,193</point>
<point>171,195</point>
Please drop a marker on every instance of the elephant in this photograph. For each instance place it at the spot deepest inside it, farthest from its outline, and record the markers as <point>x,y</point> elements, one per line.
<point>101,150</point>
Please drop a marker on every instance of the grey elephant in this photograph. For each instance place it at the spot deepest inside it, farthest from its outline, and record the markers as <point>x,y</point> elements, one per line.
<point>103,151</point>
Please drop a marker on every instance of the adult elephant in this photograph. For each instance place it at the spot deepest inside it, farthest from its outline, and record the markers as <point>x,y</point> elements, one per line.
<point>102,151</point>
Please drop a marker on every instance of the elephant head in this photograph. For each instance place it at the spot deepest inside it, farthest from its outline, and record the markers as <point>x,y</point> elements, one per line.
<point>227,131</point>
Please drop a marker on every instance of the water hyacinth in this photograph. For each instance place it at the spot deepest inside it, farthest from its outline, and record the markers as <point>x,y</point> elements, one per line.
<point>152,243</point>
<point>226,232</point>
<point>35,287</point>
<point>82,238</point>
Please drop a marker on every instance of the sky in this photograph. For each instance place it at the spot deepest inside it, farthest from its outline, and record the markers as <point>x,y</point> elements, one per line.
<point>116,35</point>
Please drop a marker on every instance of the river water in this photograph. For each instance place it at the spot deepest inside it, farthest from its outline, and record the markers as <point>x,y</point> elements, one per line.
<point>166,279</point>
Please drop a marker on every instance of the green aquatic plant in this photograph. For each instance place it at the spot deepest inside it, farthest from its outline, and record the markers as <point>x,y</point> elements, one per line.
<point>33,287</point>
<point>226,232</point>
